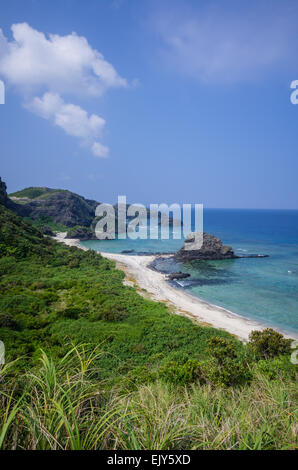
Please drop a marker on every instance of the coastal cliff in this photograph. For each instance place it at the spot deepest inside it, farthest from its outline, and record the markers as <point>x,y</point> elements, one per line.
<point>59,210</point>
<point>61,206</point>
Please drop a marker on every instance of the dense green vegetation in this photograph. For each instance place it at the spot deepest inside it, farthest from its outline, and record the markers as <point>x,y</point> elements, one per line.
<point>53,294</point>
<point>42,222</point>
<point>146,378</point>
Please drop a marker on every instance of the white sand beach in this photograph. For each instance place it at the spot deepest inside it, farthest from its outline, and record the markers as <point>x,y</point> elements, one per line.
<point>138,271</point>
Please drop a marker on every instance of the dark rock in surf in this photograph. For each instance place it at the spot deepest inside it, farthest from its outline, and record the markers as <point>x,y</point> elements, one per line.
<point>176,276</point>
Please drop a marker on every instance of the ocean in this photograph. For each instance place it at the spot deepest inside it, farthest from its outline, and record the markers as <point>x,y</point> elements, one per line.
<point>263,289</point>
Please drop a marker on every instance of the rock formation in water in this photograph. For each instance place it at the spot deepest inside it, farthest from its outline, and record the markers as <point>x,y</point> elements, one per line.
<point>212,248</point>
<point>175,276</point>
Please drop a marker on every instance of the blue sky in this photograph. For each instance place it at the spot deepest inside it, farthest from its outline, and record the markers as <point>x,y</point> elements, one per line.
<point>162,101</point>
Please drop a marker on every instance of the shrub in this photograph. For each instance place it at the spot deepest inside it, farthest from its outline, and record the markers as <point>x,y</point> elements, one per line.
<point>226,369</point>
<point>269,343</point>
<point>112,314</point>
<point>7,265</point>
<point>70,312</point>
<point>138,348</point>
<point>277,368</point>
<point>141,375</point>
<point>113,311</point>
<point>221,349</point>
<point>21,303</point>
<point>229,373</point>
<point>6,321</point>
<point>74,263</point>
<point>190,371</point>
<point>38,285</point>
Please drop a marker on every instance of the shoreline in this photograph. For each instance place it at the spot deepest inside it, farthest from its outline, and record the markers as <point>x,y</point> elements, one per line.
<point>138,271</point>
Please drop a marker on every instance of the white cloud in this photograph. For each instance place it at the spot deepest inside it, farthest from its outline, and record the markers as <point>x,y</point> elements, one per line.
<point>57,65</point>
<point>100,150</point>
<point>72,119</point>
<point>220,42</point>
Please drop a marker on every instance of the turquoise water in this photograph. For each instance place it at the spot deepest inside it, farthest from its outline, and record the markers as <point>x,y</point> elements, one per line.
<point>264,289</point>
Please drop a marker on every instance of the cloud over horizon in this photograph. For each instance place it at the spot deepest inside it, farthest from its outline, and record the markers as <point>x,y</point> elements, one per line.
<point>34,64</point>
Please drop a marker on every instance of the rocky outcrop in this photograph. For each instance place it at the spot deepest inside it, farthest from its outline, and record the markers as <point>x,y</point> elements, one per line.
<point>3,193</point>
<point>81,233</point>
<point>63,207</point>
<point>57,205</point>
<point>8,203</point>
<point>47,231</point>
<point>212,248</point>
<point>177,275</point>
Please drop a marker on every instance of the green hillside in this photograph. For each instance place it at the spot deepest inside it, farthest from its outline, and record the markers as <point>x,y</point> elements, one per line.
<point>92,364</point>
<point>53,294</point>
<point>35,192</point>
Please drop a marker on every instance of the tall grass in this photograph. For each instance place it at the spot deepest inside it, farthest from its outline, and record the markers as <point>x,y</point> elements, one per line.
<point>62,405</point>
<point>260,416</point>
